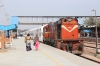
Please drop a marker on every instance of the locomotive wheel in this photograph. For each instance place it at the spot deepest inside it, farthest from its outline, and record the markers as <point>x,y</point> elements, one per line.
<point>70,46</point>
<point>67,48</point>
<point>50,43</point>
<point>43,42</point>
<point>61,45</point>
<point>55,44</point>
<point>46,42</point>
<point>80,47</point>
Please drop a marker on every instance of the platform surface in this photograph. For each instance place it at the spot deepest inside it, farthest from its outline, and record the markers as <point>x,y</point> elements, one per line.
<point>45,56</point>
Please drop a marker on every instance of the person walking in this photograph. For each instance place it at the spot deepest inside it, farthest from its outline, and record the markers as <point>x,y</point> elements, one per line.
<point>28,42</point>
<point>36,42</point>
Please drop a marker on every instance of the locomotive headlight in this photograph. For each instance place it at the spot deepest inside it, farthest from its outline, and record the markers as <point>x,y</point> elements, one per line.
<point>69,19</point>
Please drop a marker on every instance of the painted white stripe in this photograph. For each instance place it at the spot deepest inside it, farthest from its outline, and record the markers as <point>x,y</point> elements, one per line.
<point>68,29</point>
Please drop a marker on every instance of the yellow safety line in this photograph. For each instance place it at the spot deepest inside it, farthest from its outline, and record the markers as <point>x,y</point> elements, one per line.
<point>59,64</point>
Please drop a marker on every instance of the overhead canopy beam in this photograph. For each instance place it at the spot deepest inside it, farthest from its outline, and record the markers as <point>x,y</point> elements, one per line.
<point>42,18</point>
<point>57,16</point>
<point>31,23</point>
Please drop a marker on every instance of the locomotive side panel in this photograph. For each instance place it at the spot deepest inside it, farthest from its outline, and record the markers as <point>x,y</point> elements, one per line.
<point>54,31</point>
<point>45,34</point>
<point>50,30</point>
<point>51,34</point>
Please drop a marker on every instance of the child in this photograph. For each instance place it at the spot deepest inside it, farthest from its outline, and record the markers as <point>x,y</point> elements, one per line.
<point>36,45</point>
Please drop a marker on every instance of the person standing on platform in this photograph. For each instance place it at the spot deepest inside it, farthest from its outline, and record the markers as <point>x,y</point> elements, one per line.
<point>28,42</point>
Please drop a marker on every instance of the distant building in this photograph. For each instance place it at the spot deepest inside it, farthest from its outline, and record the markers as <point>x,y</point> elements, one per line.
<point>89,31</point>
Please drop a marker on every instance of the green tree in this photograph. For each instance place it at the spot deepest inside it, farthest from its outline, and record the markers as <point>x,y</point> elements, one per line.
<point>91,21</point>
<point>98,22</point>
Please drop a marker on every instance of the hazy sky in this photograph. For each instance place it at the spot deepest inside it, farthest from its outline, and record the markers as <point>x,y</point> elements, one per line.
<point>51,8</point>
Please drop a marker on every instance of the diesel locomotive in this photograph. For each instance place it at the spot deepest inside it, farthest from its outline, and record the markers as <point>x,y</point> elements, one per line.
<point>63,34</point>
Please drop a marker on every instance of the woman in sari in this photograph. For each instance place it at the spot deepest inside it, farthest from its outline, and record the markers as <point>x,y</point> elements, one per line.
<point>36,42</point>
<point>28,42</point>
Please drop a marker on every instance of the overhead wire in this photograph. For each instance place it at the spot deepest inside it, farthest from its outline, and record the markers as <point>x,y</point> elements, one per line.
<point>5,14</point>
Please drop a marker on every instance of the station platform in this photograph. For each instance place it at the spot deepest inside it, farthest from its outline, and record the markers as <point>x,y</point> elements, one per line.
<point>45,56</point>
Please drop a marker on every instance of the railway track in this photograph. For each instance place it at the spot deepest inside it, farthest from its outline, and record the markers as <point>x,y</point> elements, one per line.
<point>92,48</point>
<point>91,45</point>
<point>91,42</point>
<point>91,58</point>
<point>90,39</point>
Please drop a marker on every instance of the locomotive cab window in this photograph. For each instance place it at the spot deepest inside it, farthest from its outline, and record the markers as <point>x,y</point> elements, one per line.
<point>65,20</point>
<point>46,30</point>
